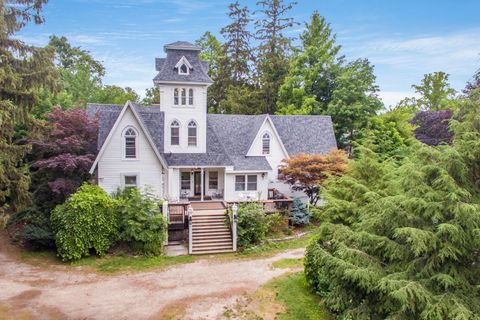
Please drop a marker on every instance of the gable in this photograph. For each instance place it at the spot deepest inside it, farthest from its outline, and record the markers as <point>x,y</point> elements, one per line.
<point>130,113</point>
<point>276,146</point>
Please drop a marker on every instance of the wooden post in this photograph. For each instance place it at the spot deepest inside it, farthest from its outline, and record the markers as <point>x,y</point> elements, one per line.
<point>190,229</point>
<point>234,227</point>
<point>166,216</point>
<point>201,184</point>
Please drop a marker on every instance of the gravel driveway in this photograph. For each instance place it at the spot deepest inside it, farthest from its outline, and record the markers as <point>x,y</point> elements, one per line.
<point>202,288</point>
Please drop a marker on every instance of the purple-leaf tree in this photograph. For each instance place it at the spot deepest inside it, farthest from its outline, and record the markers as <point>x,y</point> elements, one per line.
<point>63,155</point>
<point>433,127</point>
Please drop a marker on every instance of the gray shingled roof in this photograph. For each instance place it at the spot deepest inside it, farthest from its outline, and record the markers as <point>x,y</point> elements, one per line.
<point>305,134</point>
<point>175,51</point>
<point>228,136</point>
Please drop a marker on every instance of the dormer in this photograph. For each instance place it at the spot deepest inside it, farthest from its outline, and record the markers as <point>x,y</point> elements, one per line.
<point>183,66</point>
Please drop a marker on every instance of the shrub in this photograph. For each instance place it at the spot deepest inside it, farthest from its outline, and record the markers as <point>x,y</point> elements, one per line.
<point>142,224</point>
<point>316,214</point>
<point>276,222</point>
<point>252,225</point>
<point>300,214</point>
<point>84,222</point>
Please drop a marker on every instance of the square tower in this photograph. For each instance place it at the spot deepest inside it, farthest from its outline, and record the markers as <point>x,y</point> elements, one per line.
<point>183,82</point>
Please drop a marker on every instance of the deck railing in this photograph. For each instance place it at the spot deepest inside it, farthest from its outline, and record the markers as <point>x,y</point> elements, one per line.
<point>177,212</point>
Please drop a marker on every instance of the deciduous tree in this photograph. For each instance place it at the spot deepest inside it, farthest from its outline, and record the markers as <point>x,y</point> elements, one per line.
<point>307,172</point>
<point>433,127</point>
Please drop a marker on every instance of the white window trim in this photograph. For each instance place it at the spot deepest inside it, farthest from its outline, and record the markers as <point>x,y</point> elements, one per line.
<point>196,134</point>
<point>124,143</point>
<point>218,178</point>
<point>245,183</point>
<point>179,133</point>
<point>128,174</point>
<point>183,61</point>
<point>269,143</point>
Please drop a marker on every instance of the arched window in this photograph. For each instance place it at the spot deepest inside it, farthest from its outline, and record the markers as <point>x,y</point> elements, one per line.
<point>183,69</point>
<point>184,96</point>
<point>175,133</point>
<point>190,96</point>
<point>266,144</point>
<point>175,96</point>
<point>130,136</point>
<point>192,133</point>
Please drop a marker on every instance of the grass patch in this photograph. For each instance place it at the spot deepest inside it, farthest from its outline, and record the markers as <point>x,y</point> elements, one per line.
<point>108,264</point>
<point>293,292</point>
<point>288,263</point>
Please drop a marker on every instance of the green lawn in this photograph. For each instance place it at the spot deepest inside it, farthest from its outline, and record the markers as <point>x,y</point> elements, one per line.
<point>293,292</point>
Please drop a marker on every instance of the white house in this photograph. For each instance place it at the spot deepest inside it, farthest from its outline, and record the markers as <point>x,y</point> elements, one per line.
<point>179,151</point>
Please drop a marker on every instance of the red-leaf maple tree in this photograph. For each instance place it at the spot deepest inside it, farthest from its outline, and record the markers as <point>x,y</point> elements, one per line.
<point>307,172</point>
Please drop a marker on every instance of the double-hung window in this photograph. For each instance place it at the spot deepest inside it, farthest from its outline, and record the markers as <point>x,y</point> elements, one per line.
<point>240,183</point>
<point>184,96</point>
<point>130,181</point>
<point>266,144</point>
<point>213,180</point>
<point>246,182</point>
<point>175,133</point>
<point>190,96</point>
<point>175,96</point>
<point>192,133</point>
<point>185,180</point>
<point>130,137</point>
<point>252,182</point>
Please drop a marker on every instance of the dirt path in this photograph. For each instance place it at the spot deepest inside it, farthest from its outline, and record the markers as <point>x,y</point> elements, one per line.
<point>203,288</point>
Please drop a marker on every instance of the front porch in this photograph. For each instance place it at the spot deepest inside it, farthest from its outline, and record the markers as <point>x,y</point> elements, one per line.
<point>201,184</point>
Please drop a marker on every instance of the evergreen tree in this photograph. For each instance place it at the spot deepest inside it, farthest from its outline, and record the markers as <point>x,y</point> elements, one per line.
<point>300,215</point>
<point>213,52</point>
<point>23,71</point>
<point>272,59</point>
<point>319,81</point>
<point>237,44</point>
<point>400,241</point>
<point>309,86</point>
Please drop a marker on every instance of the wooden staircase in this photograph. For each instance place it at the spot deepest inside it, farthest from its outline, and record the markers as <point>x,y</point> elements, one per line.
<point>210,234</point>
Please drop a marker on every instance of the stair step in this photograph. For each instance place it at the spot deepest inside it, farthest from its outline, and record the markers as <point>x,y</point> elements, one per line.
<point>218,240</point>
<point>209,224</point>
<point>212,247</point>
<point>213,227</point>
<point>211,251</point>
<point>209,244</point>
<point>210,233</point>
<point>217,236</point>
<point>212,217</point>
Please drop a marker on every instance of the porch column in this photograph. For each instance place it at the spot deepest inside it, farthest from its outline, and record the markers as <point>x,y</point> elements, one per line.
<point>201,184</point>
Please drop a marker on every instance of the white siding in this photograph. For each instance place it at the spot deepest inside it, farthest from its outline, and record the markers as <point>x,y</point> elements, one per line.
<point>231,195</point>
<point>112,166</point>
<point>275,159</point>
<point>184,114</point>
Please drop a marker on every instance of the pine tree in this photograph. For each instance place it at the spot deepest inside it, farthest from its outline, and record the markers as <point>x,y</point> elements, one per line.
<point>212,51</point>
<point>272,58</point>
<point>23,71</point>
<point>309,86</point>
<point>237,44</point>
<point>320,81</point>
<point>400,241</point>
<point>300,215</point>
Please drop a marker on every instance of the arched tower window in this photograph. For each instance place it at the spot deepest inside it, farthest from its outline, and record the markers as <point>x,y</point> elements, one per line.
<point>192,133</point>
<point>175,133</point>
<point>130,136</point>
<point>190,96</point>
<point>184,96</point>
<point>175,96</point>
<point>266,144</point>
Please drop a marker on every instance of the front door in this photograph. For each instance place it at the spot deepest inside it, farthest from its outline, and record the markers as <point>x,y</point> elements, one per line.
<point>197,183</point>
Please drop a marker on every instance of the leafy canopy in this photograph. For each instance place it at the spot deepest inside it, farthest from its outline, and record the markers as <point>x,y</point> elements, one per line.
<point>307,172</point>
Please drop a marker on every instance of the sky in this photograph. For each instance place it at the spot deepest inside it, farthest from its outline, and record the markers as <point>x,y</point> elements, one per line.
<point>403,39</point>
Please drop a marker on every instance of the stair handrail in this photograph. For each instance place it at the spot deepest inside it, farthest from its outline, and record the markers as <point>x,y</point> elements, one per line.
<point>190,229</point>
<point>234,226</point>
